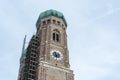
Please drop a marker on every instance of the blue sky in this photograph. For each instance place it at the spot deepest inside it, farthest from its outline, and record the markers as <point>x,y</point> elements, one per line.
<point>93,35</point>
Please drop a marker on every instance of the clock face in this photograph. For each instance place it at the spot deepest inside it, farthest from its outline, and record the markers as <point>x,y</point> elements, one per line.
<point>56,54</point>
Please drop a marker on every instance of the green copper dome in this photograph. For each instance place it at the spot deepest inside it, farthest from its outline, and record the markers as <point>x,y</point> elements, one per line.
<point>49,13</point>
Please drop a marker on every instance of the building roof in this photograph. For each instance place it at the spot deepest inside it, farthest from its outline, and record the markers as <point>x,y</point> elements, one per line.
<point>49,13</point>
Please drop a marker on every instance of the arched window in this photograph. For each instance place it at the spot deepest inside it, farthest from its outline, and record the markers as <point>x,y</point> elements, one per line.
<point>56,36</point>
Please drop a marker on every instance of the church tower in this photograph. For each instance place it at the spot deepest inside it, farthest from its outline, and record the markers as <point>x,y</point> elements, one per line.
<point>47,55</point>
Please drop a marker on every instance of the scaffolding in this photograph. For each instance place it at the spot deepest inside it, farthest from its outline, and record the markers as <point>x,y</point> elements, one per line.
<point>31,60</point>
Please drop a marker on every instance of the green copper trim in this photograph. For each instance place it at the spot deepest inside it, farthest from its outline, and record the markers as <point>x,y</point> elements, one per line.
<point>24,52</point>
<point>49,13</point>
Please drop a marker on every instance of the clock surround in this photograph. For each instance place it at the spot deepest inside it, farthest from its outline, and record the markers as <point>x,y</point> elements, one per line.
<point>57,55</point>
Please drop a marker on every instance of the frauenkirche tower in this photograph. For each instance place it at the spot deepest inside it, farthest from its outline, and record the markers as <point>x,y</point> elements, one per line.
<point>47,56</point>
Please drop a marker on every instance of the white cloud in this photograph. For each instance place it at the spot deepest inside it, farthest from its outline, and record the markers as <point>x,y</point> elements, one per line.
<point>108,13</point>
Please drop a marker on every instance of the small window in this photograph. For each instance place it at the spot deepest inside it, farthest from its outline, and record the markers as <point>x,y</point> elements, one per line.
<point>54,21</point>
<point>48,21</point>
<point>44,22</point>
<point>58,22</point>
<point>56,36</point>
